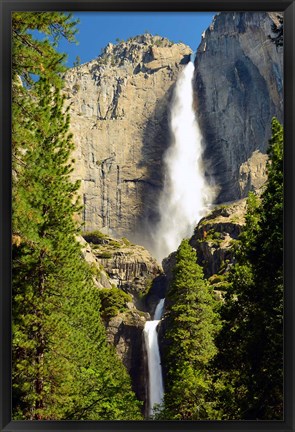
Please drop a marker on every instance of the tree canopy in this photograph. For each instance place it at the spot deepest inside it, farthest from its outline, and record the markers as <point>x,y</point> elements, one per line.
<point>63,367</point>
<point>191,321</point>
<point>249,363</point>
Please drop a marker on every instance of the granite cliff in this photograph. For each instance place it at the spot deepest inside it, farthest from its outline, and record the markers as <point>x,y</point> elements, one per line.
<point>120,113</point>
<point>239,88</point>
<point>119,116</point>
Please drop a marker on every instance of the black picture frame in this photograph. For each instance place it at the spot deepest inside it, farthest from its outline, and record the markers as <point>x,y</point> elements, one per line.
<point>6,7</point>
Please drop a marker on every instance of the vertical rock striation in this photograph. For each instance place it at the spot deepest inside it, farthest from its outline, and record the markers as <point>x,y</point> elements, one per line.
<point>119,117</point>
<point>120,114</point>
<point>239,88</point>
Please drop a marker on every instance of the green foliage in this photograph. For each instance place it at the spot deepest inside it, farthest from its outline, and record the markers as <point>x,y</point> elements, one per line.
<point>77,62</point>
<point>36,56</point>
<point>114,244</point>
<point>95,237</point>
<point>98,239</point>
<point>217,279</point>
<point>113,301</point>
<point>214,237</point>
<point>126,241</point>
<point>249,365</point>
<point>104,255</point>
<point>247,238</point>
<point>57,326</point>
<point>76,88</point>
<point>192,321</point>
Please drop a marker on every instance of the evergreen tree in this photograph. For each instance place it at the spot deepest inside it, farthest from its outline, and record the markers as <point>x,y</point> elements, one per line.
<point>77,62</point>
<point>249,365</point>
<point>63,367</point>
<point>38,57</point>
<point>33,59</point>
<point>267,388</point>
<point>57,327</point>
<point>191,323</point>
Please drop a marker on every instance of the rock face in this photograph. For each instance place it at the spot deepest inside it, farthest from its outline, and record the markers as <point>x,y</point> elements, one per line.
<point>238,85</point>
<point>119,117</point>
<point>213,239</point>
<point>125,333</point>
<point>130,268</point>
<point>215,235</point>
<point>100,277</point>
<point>119,105</point>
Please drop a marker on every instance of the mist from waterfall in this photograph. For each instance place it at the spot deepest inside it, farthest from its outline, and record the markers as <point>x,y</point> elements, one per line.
<point>156,389</point>
<point>186,193</point>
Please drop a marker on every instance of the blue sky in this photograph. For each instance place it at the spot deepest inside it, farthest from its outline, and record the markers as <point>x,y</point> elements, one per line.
<point>97,29</point>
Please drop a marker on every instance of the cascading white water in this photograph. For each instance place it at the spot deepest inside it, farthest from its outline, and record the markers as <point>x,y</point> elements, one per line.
<point>156,389</point>
<point>184,200</point>
<point>186,193</point>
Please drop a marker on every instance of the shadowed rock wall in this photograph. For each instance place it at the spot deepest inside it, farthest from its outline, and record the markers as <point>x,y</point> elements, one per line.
<point>239,88</point>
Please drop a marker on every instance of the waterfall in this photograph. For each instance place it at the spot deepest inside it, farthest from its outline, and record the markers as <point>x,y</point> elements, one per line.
<point>156,389</point>
<point>184,200</point>
<point>186,194</point>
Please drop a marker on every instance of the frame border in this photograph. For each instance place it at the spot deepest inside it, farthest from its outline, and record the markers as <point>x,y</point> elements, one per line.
<point>6,7</point>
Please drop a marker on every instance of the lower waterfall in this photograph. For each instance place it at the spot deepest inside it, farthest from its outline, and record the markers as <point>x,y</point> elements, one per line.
<point>156,389</point>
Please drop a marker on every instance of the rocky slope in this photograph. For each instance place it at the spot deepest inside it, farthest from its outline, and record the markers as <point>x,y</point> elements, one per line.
<point>125,332</point>
<point>120,266</point>
<point>119,117</point>
<point>129,267</point>
<point>239,88</point>
<point>215,235</point>
<point>213,239</point>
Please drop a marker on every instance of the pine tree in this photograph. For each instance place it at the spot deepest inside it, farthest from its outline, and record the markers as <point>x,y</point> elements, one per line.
<point>63,367</point>
<point>252,336</point>
<point>191,323</point>
<point>55,372</point>
<point>77,62</point>
<point>267,388</point>
<point>39,57</point>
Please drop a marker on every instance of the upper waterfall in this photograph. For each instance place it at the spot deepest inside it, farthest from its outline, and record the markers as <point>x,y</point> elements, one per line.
<point>186,193</point>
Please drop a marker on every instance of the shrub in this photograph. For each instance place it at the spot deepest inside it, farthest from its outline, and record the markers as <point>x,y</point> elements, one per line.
<point>215,279</point>
<point>114,243</point>
<point>104,255</point>
<point>126,241</point>
<point>95,237</point>
<point>76,88</point>
<point>113,301</point>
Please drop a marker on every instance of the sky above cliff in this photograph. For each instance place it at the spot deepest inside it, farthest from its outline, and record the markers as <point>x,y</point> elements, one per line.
<point>97,29</point>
